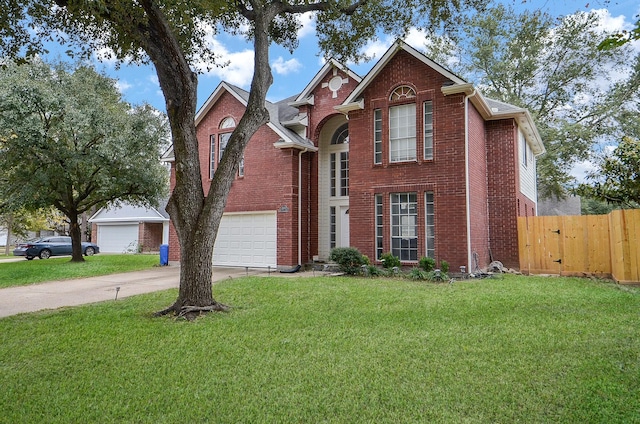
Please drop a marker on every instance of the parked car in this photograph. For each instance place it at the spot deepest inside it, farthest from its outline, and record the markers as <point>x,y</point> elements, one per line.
<point>52,246</point>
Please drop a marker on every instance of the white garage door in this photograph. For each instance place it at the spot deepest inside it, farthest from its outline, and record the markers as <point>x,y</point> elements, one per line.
<point>247,240</point>
<point>121,238</point>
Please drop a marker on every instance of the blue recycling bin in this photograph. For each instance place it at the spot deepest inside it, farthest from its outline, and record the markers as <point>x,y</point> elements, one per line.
<point>164,254</point>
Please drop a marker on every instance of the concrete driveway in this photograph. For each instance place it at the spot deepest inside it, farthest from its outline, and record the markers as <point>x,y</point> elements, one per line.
<point>56,294</point>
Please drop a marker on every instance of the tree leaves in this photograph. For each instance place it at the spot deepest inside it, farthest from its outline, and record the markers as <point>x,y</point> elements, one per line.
<point>68,140</point>
<point>617,177</point>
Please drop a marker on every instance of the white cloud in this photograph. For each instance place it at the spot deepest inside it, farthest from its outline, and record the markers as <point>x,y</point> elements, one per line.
<point>122,86</point>
<point>282,67</point>
<point>611,23</point>
<point>376,48</point>
<point>416,38</point>
<point>308,21</point>
<point>238,66</point>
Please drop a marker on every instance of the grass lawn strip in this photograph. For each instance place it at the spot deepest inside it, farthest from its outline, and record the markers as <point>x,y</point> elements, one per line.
<point>28,272</point>
<point>343,350</point>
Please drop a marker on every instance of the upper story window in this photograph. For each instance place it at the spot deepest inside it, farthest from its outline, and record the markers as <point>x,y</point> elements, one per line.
<point>227,123</point>
<point>410,128</point>
<point>428,129</point>
<point>403,92</point>
<point>525,149</point>
<point>402,133</point>
<point>377,136</point>
<point>218,142</point>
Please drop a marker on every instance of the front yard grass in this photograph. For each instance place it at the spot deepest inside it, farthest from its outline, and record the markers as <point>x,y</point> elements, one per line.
<point>335,350</point>
<point>38,270</point>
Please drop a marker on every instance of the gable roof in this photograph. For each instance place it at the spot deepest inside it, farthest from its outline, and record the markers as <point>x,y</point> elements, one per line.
<point>488,108</point>
<point>280,114</point>
<point>385,59</point>
<point>127,212</point>
<point>305,97</point>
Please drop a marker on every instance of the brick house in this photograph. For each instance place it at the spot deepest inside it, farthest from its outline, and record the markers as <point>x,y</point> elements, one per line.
<point>410,159</point>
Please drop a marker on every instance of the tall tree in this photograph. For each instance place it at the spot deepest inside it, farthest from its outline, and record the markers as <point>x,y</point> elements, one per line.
<point>171,34</point>
<point>68,140</point>
<point>616,179</point>
<point>554,68</point>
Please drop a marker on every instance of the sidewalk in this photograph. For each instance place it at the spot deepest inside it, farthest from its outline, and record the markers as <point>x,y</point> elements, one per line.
<point>56,294</point>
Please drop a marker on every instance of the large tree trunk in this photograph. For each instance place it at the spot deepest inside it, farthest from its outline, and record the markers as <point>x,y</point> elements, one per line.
<point>76,238</point>
<point>195,217</point>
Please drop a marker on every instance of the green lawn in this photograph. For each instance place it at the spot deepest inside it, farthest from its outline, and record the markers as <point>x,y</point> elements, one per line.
<point>335,350</point>
<point>27,272</point>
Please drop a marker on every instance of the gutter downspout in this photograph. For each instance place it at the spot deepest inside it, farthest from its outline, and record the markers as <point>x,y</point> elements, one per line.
<point>306,149</point>
<point>466,176</point>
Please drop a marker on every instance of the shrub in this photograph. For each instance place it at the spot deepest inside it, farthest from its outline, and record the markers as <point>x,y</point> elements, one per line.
<point>444,267</point>
<point>427,264</point>
<point>374,271</point>
<point>389,261</point>
<point>418,274</point>
<point>349,259</point>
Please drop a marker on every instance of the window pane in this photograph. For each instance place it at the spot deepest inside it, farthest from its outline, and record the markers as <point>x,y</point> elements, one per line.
<point>377,136</point>
<point>344,173</point>
<point>404,226</point>
<point>379,227</point>
<point>402,133</point>
<point>212,155</point>
<point>332,227</point>
<point>341,136</point>
<point>428,130</point>
<point>224,139</point>
<point>228,123</point>
<point>430,225</point>
<point>332,175</point>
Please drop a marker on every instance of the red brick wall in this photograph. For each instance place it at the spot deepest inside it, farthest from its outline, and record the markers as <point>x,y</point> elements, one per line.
<point>479,214</point>
<point>150,236</point>
<point>270,182</point>
<point>503,177</point>
<point>444,175</point>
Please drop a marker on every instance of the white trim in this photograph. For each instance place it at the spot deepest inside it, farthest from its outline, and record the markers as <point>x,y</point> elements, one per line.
<point>466,177</point>
<point>522,116</point>
<point>214,97</point>
<point>382,63</point>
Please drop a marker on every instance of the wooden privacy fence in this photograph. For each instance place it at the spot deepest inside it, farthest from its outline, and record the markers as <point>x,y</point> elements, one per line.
<point>599,245</point>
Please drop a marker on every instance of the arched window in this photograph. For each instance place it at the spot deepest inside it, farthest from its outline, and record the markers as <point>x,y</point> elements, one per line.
<point>341,136</point>
<point>402,92</point>
<point>227,123</point>
<point>218,142</point>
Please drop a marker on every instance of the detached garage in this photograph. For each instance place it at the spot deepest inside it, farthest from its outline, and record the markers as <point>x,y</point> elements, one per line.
<point>129,229</point>
<point>247,239</point>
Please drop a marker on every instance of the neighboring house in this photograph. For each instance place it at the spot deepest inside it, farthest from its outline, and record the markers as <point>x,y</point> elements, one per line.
<point>129,229</point>
<point>410,160</point>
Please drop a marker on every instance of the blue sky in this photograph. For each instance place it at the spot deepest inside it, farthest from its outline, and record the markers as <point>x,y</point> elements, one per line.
<point>292,72</point>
